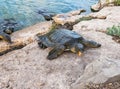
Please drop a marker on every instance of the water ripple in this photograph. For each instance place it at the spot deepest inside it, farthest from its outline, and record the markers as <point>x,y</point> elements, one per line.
<point>24,11</point>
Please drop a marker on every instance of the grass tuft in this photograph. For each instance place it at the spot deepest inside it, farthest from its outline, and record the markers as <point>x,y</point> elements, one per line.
<point>114,31</point>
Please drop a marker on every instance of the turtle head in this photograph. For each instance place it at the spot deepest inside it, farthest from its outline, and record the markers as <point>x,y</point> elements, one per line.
<point>93,44</point>
<point>90,44</point>
<point>9,31</point>
<point>77,48</point>
<point>5,37</point>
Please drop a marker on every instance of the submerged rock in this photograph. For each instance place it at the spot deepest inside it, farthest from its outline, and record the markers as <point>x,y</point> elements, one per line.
<point>46,14</point>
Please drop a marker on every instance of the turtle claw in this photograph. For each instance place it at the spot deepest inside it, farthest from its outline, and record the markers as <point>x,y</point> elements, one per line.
<point>5,37</point>
<point>79,53</point>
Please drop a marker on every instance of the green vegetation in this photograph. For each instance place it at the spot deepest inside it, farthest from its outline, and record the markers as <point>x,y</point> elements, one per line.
<point>114,31</point>
<point>84,19</point>
<point>116,2</point>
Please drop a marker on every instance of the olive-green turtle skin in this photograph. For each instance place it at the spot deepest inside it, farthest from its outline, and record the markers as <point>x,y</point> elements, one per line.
<point>64,40</point>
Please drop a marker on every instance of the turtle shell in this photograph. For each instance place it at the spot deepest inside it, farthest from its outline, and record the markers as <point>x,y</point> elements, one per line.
<point>61,36</point>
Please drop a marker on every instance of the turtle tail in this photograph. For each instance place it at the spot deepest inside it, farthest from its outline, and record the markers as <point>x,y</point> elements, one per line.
<point>5,37</point>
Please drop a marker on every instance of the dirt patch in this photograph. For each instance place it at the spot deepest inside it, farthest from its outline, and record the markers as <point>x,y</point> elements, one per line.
<point>116,39</point>
<point>113,85</point>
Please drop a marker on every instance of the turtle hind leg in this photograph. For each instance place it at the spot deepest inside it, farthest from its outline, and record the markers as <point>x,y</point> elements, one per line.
<point>55,52</point>
<point>5,37</point>
<point>91,44</point>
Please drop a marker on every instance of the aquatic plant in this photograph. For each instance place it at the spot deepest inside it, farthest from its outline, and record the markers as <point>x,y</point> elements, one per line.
<point>114,31</point>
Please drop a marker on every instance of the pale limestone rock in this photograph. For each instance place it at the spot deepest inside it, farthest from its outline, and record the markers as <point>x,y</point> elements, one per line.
<point>68,17</point>
<point>96,7</point>
<point>112,18</point>
<point>105,68</point>
<point>102,70</point>
<point>102,3</point>
<point>29,68</point>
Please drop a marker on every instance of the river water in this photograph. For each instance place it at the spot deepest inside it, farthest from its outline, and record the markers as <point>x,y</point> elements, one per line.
<point>25,11</point>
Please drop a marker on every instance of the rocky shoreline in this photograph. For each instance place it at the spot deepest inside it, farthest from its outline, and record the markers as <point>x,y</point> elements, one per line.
<point>28,68</point>
<point>23,37</point>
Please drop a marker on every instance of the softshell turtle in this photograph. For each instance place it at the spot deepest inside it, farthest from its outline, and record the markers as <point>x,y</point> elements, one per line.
<point>64,40</point>
<point>5,37</point>
<point>6,28</point>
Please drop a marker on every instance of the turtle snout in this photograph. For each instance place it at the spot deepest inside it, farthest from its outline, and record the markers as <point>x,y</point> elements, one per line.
<point>93,44</point>
<point>98,45</point>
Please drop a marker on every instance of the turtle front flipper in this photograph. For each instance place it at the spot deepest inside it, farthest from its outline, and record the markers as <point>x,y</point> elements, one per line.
<point>77,48</point>
<point>91,44</point>
<point>41,45</point>
<point>5,37</point>
<point>55,52</point>
<point>44,42</point>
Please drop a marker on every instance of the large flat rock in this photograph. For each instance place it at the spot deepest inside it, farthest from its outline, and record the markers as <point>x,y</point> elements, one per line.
<point>105,68</point>
<point>28,68</point>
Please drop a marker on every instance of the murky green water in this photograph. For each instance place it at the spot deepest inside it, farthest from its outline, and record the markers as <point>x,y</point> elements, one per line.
<point>25,11</point>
